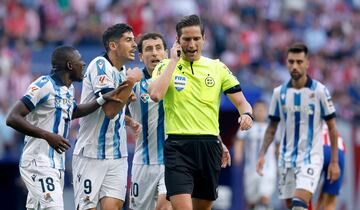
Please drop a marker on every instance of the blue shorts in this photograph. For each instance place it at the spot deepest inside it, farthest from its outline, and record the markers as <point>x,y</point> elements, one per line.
<point>333,188</point>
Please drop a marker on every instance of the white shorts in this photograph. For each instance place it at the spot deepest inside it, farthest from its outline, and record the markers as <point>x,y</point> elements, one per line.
<point>304,177</point>
<point>258,186</point>
<point>94,179</point>
<point>45,186</point>
<point>147,182</point>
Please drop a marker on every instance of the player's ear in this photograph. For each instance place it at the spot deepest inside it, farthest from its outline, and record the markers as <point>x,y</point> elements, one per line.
<point>69,65</point>
<point>166,52</point>
<point>141,57</point>
<point>112,45</point>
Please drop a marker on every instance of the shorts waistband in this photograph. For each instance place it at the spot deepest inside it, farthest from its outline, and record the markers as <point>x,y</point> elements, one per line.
<point>190,137</point>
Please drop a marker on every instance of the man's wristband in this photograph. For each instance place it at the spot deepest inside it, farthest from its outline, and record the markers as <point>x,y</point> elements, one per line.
<point>100,100</point>
<point>249,114</point>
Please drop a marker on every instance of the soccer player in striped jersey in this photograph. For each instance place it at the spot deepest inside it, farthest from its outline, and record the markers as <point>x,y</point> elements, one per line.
<point>329,190</point>
<point>100,155</point>
<point>43,115</point>
<point>147,175</point>
<point>300,106</point>
<point>258,189</point>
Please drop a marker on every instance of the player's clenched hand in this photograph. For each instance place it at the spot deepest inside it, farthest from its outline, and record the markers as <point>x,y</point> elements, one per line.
<point>245,122</point>
<point>260,164</point>
<point>59,143</point>
<point>134,74</point>
<point>132,96</point>
<point>226,158</point>
<point>136,127</point>
<point>333,172</point>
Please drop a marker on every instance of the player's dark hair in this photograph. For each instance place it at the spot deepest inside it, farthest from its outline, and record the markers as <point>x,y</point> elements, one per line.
<point>60,56</point>
<point>191,20</point>
<point>150,36</point>
<point>115,32</point>
<point>298,48</point>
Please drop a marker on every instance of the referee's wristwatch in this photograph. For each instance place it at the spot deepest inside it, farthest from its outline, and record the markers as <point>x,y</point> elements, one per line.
<point>249,114</point>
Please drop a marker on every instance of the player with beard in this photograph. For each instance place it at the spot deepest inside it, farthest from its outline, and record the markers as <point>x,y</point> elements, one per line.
<point>300,106</point>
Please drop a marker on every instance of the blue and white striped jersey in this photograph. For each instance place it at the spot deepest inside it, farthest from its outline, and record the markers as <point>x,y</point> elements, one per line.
<point>51,105</point>
<point>301,113</point>
<point>100,137</point>
<point>253,140</point>
<point>149,146</point>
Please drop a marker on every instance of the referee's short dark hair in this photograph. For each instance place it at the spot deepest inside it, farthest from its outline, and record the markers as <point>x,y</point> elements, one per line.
<point>298,48</point>
<point>150,36</point>
<point>115,32</point>
<point>191,20</point>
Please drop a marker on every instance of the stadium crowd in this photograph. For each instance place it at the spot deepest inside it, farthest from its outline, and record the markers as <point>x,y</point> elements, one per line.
<point>250,36</point>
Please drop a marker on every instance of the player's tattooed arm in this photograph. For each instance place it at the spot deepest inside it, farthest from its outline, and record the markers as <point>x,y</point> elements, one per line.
<point>269,136</point>
<point>268,139</point>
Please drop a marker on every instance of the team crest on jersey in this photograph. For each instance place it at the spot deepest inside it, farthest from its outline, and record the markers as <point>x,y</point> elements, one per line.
<point>145,97</point>
<point>209,81</point>
<point>180,82</point>
<point>179,67</point>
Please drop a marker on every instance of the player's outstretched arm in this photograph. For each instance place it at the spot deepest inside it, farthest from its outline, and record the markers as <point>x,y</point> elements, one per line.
<point>16,119</point>
<point>268,139</point>
<point>112,108</point>
<point>85,109</point>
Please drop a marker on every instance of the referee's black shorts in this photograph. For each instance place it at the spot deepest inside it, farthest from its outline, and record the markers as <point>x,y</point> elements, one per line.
<point>192,165</point>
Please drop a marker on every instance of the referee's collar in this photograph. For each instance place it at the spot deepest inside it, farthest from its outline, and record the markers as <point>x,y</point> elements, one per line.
<point>146,73</point>
<point>308,83</point>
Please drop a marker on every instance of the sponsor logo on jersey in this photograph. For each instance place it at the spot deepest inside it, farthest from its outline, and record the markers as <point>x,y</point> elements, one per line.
<point>33,89</point>
<point>180,82</point>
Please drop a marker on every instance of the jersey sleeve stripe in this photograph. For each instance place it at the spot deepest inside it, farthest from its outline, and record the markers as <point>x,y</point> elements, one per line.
<point>330,116</point>
<point>235,89</point>
<point>27,102</point>
<point>103,91</point>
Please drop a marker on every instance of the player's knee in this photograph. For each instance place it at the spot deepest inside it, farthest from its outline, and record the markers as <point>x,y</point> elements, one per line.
<point>298,204</point>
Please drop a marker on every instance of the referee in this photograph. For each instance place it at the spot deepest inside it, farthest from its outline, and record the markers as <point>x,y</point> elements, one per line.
<point>190,86</point>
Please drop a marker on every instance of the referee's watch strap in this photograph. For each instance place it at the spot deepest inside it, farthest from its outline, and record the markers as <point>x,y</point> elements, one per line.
<point>249,114</point>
